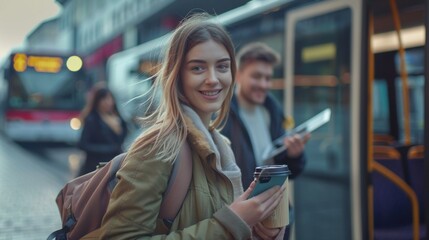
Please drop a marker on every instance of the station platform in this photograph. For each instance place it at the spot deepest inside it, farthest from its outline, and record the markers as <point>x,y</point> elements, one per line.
<point>28,187</point>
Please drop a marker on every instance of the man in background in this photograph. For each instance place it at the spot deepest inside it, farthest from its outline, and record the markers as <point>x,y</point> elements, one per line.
<point>256,119</point>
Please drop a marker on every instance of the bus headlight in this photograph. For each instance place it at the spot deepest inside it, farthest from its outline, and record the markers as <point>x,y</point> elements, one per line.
<point>74,63</point>
<point>75,123</point>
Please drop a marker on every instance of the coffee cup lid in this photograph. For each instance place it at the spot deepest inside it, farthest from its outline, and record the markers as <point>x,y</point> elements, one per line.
<point>273,170</point>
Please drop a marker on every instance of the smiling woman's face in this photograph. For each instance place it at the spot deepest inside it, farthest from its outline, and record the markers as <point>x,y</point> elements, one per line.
<point>206,78</point>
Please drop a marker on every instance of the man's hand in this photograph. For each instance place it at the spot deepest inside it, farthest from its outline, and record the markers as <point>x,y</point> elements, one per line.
<point>295,144</point>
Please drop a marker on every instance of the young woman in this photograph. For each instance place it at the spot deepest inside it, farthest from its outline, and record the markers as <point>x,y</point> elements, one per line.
<point>104,130</point>
<point>196,81</point>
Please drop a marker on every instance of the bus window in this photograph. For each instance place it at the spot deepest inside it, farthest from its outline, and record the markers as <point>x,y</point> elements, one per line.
<point>30,90</point>
<point>416,93</point>
<point>414,61</point>
<point>380,107</point>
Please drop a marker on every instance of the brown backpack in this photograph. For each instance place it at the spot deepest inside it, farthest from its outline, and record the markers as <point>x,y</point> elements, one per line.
<point>83,201</point>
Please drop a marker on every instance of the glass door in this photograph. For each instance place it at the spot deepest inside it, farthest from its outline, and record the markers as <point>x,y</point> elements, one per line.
<point>323,71</point>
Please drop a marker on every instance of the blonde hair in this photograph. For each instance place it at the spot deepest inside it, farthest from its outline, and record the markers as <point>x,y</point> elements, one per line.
<point>167,128</point>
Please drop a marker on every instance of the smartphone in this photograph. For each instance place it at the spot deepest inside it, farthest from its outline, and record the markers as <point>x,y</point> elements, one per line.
<point>265,182</point>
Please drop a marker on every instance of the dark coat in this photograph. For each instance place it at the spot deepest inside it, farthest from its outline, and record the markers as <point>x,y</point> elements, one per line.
<point>241,144</point>
<point>99,141</point>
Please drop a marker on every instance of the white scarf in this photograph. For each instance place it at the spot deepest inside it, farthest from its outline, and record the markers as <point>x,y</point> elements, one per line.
<point>225,161</point>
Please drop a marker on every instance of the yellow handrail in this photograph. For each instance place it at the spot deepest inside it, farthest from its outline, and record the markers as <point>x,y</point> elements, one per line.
<point>416,152</point>
<point>373,165</point>
<point>408,191</point>
<point>404,75</point>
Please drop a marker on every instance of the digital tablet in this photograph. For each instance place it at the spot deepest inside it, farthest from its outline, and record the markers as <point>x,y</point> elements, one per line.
<point>307,127</point>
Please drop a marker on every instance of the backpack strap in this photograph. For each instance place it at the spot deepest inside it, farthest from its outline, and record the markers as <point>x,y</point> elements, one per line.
<point>178,184</point>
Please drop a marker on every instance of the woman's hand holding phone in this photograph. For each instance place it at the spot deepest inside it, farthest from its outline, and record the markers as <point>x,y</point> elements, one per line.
<point>263,183</point>
<point>255,209</point>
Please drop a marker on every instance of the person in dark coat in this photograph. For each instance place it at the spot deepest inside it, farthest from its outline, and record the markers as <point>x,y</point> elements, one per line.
<point>255,119</point>
<point>104,129</point>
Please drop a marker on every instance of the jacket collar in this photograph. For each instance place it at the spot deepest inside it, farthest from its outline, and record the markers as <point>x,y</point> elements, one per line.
<point>198,135</point>
<point>214,148</point>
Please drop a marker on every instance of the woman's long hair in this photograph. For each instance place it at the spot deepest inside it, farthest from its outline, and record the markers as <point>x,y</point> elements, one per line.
<point>167,129</point>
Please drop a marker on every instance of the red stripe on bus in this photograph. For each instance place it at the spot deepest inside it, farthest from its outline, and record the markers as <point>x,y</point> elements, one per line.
<point>31,115</point>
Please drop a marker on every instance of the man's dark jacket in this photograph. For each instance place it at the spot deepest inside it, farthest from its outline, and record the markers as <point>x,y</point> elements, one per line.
<point>241,144</point>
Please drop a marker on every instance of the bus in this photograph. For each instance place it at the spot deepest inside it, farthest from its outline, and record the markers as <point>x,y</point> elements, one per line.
<point>44,94</point>
<point>368,62</point>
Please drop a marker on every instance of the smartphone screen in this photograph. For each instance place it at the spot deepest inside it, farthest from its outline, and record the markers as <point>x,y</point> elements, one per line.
<point>266,182</point>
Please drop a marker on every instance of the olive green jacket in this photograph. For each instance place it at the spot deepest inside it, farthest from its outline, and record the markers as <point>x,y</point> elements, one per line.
<point>135,201</point>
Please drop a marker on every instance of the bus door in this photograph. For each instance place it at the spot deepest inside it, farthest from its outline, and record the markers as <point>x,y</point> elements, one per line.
<point>322,69</point>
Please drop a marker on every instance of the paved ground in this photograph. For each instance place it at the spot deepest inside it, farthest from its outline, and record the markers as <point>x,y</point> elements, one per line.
<point>28,187</point>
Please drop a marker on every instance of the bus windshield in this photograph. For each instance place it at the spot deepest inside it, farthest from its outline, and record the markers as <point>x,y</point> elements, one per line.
<point>33,89</point>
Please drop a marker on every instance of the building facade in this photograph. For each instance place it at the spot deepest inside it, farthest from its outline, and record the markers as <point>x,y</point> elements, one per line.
<point>49,37</point>
<point>99,28</point>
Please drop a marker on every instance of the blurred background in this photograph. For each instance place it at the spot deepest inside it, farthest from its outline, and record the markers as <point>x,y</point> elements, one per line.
<point>51,54</point>
<point>339,54</point>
